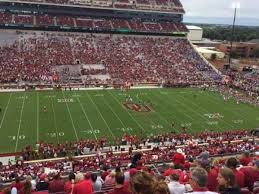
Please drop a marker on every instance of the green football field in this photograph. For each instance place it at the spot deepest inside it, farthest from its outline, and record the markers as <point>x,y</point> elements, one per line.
<point>75,115</point>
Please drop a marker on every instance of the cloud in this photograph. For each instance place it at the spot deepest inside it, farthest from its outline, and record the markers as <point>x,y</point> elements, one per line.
<point>221,8</point>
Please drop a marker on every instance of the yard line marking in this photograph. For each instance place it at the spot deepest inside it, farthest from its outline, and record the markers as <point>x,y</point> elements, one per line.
<point>162,117</point>
<point>72,121</point>
<point>37,117</point>
<point>96,107</point>
<point>6,110</point>
<point>86,116</point>
<point>55,120</point>
<point>19,127</point>
<point>115,114</point>
<point>205,110</point>
<point>187,115</point>
<point>127,112</point>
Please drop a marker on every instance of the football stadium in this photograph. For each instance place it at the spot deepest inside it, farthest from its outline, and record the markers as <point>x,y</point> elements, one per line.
<point>111,97</point>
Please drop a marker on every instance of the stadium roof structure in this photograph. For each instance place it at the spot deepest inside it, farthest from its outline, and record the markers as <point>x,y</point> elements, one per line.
<point>193,27</point>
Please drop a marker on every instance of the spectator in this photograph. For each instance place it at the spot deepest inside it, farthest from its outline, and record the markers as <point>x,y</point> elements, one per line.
<point>203,158</point>
<point>142,183</point>
<point>82,186</point>
<point>27,188</point>
<point>174,186</point>
<point>43,184</point>
<point>97,182</point>
<point>104,173</point>
<point>110,179</point>
<point>178,157</point>
<point>69,185</point>
<point>160,187</point>
<point>198,181</point>
<point>245,159</point>
<point>18,185</point>
<point>239,175</point>
<point>33,182</point>
<point>227,183</point>
<point>57,184</point>
<point>119,187</point>
<point>251,174</point>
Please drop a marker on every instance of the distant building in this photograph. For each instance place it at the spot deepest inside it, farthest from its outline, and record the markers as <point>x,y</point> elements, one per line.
<point>207,52</point>
<point>195,33</point>
<point>243,49</point>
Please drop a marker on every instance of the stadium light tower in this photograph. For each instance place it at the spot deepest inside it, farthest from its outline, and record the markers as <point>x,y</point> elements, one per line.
<point>235,6</point>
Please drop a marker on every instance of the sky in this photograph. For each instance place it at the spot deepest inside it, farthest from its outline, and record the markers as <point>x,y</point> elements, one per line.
<point>221,8</point>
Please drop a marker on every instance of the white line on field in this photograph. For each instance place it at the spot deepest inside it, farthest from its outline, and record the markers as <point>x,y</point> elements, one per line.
<point>37,117</point>
<point>55,120</point>
<point>96,107</point>
<point>86,116</point>
<point>115,114</point>
<point>6,110</point>
<point>128,112</point>
<point>19,127</point>
<point>72,121</point>
<point>206,111</point>
<point>162,117</point>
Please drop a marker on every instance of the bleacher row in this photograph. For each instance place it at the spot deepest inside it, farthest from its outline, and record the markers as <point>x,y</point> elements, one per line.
<point>107,24</point>
<point>158,5</point>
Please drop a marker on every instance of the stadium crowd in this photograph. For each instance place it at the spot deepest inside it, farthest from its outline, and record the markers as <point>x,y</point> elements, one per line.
<point>135,25</point>
<point>248,82</point>
<point>162,5</point>
<point>32,58</point>
<point>138,172</point>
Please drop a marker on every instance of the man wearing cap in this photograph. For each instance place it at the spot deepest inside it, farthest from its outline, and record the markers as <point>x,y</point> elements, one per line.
<point>174,186</point>
<point>178,157</point>
<point>198,181</point>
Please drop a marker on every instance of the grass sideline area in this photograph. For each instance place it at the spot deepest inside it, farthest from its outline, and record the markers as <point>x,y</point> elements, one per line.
<point>75,115</point>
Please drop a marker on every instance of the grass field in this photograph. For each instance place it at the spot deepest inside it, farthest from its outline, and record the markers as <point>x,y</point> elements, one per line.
<point>73,115</point>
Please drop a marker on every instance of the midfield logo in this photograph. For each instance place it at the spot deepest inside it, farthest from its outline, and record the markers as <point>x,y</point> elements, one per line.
<point>137,107</point>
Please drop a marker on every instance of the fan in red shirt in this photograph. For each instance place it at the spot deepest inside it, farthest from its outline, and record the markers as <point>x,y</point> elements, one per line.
<point>82,186</point>
<point>178,157</point>
<point>245,159</point>
<point>69,185</point>
<point>120,188</point>
<point>251,174</point>
<point>56,185</point>
<point>239,175</point>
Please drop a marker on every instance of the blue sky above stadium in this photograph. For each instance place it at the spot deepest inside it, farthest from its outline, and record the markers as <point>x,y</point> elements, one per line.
<point>221,8</point>
<point>221,12</point>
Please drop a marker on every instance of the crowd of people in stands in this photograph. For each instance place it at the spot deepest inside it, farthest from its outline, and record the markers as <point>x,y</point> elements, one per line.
<point>159,5</point>
<point>187,169</point>
<point>31,58</point>
<point>194,144</point>
<point>248,82</point>
<point>135,25</point>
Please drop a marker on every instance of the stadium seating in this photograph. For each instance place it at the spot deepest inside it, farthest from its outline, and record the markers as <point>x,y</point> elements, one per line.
<point>148,162</point>
<point>119,54</point>
<point>160,5</point>
<point>65,21</point>
<point>5,18</point>
<point>23,19</point>
<point>106,24</point>
<point>44,20</point>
